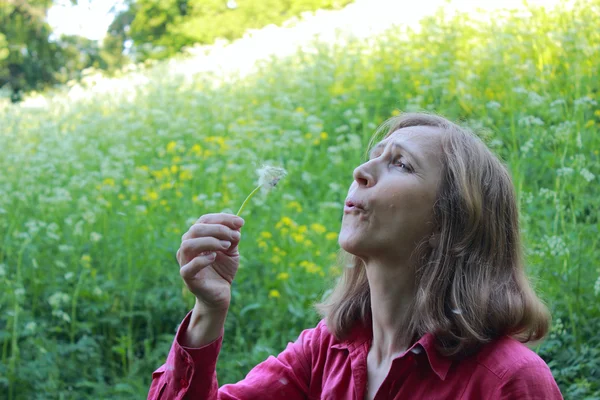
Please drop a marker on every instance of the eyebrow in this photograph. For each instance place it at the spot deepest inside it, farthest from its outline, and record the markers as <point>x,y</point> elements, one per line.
<point>395,146</point>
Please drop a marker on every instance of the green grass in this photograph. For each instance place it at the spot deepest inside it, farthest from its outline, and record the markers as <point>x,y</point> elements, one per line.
<point>95,194</point>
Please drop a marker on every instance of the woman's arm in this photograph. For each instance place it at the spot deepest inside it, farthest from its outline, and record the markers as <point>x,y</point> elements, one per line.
<point>191,372</point>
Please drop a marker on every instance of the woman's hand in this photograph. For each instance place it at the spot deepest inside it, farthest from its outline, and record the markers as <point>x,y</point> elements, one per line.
<point>209,259</point>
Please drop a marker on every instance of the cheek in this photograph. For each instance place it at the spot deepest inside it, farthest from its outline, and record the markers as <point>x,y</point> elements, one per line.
<point>412,205</point>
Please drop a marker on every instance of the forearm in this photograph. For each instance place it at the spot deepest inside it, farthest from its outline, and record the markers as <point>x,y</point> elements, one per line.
<point>205,327</point>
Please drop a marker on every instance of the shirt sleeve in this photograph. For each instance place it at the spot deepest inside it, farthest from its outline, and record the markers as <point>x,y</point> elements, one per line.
<point>191,373</point>
<point>533,381</point>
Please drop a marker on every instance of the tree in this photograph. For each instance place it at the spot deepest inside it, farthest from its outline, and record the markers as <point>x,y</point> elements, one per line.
<point>29,57</point>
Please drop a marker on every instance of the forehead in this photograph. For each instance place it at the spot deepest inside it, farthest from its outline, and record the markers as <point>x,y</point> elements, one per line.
<point>426,140</point>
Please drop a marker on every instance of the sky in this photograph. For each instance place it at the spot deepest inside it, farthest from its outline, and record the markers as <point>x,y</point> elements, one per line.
<point>89,18</point>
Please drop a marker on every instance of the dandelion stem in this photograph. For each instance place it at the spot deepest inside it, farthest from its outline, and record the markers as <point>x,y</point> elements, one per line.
<point>248,198</point>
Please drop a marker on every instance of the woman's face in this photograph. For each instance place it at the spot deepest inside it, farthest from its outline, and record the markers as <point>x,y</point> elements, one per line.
<point>397,188</point>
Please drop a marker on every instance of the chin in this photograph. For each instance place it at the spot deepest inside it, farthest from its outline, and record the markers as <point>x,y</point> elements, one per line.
<point>353,244</point>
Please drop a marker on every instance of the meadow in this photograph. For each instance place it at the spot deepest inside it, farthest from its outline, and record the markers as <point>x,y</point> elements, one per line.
<point>97,189</point>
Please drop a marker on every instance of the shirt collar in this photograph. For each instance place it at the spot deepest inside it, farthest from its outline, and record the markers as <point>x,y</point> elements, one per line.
<point>361,334</point>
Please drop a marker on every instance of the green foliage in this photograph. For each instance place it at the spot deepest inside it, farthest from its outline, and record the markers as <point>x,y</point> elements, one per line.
<point>30,58</point>
<point>98,189</point>
<point>161,28</point>
<point>27,57</point>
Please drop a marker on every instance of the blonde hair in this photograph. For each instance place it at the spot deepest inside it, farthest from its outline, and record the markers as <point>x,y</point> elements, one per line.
<point>471,287</point>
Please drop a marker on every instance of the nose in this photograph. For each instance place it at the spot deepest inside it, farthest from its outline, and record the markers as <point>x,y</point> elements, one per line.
<point>362,176</point>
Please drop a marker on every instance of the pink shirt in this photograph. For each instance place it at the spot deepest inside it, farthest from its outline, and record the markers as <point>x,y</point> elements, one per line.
<point>317,366</point>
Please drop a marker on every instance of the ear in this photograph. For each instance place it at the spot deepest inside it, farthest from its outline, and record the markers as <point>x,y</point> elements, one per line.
<point>434,240</point>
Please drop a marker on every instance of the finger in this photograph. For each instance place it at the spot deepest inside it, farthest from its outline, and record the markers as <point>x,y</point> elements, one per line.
<point>230,220</point>
<point>215,230</point>
<point>190,269</point>
<point>191,248</point>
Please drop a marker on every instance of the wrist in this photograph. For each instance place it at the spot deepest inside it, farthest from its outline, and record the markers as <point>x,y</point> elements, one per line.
<point>205,326</point>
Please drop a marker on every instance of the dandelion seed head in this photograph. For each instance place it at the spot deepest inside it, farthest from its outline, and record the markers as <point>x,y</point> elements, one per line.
<point>269,176</point>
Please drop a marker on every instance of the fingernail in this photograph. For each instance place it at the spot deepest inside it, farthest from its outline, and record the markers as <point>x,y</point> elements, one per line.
<point>235,235</point>
<point>225,243</point>
<point>212,256</point>
<point>238,222</point>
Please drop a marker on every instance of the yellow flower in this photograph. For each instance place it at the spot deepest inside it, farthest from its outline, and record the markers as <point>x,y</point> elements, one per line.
<point>311,267</point>
<point>152,195</point>
<point>174,169</point>
<point>197,149</point>
<point>274,294</point>
<point>86,259</point>
<point>176,160</point>
<point>302,229</point>
<point>318,228</point>
<point>266,235</point>
<point>300,109</point>
<point>121,196</point>
<point>395,112</point>
<point>282,276</point>
<point>262,244</point>
<point>331,236</point>
<point>308,135</point>
<point>308,243</point>
<point>275,259</point>
<point>298,237</point>
<point>335,270</point>
<point>284,221</point>
<point>597,113</point>
<point>324,135</point>
<point>590,123</point>
<point>185,175</point>
<point>316,142</point>
<point>179,194</point>
<point>171,146</point>
<point>108,182</point>
<point>163,202</point>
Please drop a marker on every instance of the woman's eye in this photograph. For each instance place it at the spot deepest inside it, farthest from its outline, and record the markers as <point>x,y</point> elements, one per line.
<point>402,164</point>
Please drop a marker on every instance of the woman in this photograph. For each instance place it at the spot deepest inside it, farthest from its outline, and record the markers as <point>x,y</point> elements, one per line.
<point>434,303</point>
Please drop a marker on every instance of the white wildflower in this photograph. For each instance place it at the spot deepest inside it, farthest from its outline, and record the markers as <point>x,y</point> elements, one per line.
<point>564,171</point>
<point>493,105</point>
<point>30,327</point>
<point>95,237</point>
<point>587,175</point>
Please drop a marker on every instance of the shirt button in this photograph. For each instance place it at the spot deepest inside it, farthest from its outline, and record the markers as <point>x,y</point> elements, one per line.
<point>183,383</point>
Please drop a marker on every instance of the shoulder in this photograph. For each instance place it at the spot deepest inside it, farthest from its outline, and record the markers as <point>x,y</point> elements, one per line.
<point>319,338</point>
<point>503,356</point>
<point>518,371</point>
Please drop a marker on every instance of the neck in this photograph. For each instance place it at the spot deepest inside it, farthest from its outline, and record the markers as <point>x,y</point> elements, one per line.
<point>392,292</point>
